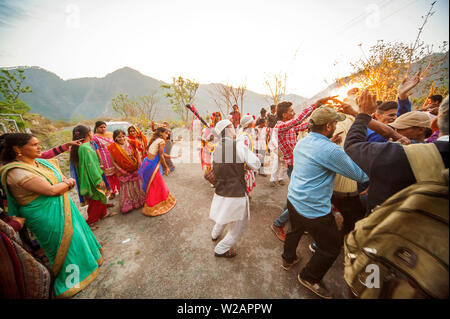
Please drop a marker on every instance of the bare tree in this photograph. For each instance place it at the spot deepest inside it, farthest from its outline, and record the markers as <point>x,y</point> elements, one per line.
<point>226,95</point>
<point>124,106</point>
<point>277,86</point>
<point>238,95</point>
<point>221,96</point>
<point>140,110</point>
<point>146,106</point>
<point>420,45</point>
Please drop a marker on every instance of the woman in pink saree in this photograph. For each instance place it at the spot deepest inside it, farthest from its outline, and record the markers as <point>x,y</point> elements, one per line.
<point>103,139</point>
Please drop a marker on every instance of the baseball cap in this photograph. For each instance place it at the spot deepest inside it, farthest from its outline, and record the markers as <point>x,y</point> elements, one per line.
<point>324,115</point>
<point>410,119</point>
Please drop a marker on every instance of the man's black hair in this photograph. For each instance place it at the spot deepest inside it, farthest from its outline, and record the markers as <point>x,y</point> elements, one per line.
<point>436,98</point>
<point>386,106</point>
<point>282,108</point>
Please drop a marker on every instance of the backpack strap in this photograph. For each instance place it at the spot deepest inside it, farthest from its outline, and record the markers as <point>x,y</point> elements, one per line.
<point>426,162</point>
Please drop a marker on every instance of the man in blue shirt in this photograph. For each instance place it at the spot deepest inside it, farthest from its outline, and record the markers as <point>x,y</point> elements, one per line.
<point>316,162</point>
<point>388,112</point>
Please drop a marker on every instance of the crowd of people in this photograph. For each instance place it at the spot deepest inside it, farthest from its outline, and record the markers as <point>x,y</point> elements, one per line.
<point>342,160</point>
<point>103,165</point>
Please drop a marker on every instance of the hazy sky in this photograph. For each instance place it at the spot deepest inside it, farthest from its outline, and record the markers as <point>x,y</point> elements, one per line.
<point>229,41</point>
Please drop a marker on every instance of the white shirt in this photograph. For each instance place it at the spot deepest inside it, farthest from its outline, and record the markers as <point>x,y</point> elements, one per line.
<point>261,134</point>
<point>247,136</point>
<point>225,210</point>
<point>273,143</point>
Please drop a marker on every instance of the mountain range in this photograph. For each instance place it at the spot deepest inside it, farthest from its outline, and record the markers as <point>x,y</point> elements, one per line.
<point>59,99</point>
<point>88,98</point>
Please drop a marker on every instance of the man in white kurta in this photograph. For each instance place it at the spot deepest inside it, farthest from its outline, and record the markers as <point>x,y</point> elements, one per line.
<point>278,168</point>
<point>231,210</point>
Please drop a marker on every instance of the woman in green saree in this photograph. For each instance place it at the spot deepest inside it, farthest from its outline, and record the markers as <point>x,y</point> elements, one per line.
<point>89,175</point>
<point>38,191</point>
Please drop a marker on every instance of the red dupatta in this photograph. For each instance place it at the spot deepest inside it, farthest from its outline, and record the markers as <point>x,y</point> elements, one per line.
<point>141,147</point>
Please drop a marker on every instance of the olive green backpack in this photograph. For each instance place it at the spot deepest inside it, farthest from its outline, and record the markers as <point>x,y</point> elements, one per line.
<point>401,249</point>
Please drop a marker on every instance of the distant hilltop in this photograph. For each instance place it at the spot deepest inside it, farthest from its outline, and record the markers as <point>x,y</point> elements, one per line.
<point>59,99</point>
<point>90,97</point>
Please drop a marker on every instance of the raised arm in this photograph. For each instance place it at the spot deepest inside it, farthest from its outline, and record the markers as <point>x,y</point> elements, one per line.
<point>356,145</point>
<point>382,129</point>
<point>387,132</point>
<point>247,156</point>
<point>299,118</point>
<point>344,165</point>
<point>404,104</point>
<point>59,149</point>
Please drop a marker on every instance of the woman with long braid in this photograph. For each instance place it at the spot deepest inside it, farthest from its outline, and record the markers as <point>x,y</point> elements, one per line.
<point>91,184</point>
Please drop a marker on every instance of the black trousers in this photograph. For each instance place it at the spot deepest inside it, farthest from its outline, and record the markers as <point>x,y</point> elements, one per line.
<point>351,209</point>
<point>326,236</point>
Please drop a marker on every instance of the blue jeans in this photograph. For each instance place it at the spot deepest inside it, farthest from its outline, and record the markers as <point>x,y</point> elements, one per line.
<point>284,217</point>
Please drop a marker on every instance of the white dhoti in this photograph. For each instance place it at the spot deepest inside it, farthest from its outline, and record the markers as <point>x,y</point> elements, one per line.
<point>231,238</point>
<point>229,210</point>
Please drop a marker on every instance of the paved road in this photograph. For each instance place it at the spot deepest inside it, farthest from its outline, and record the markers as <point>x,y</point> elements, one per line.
<point>171,256</point>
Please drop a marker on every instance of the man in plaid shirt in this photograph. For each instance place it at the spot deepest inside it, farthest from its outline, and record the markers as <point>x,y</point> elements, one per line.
<point>288,126</point>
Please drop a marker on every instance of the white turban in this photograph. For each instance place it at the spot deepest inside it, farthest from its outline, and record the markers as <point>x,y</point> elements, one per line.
<point>246,120</point>
<point>221,125</point>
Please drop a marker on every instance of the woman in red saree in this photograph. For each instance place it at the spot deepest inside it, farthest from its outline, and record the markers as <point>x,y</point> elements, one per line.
<point>158,198</point>
<point>126,158</point>
<point>134,134</point>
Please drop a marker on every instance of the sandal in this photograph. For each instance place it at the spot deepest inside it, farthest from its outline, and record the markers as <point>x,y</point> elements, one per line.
<point>228,254</point>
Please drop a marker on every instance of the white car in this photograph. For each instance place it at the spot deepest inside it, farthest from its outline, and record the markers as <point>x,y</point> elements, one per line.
<point>118,125</point>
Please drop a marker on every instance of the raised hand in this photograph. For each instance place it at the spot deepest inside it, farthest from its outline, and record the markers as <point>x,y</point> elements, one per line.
<point>346,109</point>
<point>407,85</point>
<point>325,100</point>
<point>76,142</point>
<point>367,102</point>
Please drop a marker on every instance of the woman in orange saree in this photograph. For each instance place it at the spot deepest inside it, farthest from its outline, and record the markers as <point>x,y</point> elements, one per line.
<point>126,158</point>
<point>158,198</point>
<point>135,135</point>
